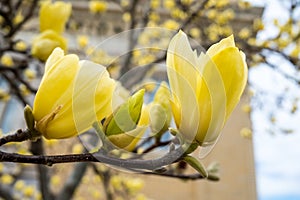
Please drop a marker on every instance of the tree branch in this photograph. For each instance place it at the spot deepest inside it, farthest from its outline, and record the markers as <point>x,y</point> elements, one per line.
<point>153,164</point>
<point>26,18</point>
<point>18,136</point>
<point>73,181</point>
<point>38,149</point>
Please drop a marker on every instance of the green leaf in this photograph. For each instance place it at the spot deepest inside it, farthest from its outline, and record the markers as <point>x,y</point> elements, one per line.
<point>196,164</point>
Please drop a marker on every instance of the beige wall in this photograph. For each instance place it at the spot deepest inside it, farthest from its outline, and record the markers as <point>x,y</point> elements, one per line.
<point>235,155</point>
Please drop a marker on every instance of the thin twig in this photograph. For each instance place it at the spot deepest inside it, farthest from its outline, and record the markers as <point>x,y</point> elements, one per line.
<point>194,14</point>
<point>15,89</point>
<point>38,149</point>
<point>19,136</point>
<point>26,18</point>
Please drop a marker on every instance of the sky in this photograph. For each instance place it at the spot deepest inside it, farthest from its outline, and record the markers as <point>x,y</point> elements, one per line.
<point>276,154</point>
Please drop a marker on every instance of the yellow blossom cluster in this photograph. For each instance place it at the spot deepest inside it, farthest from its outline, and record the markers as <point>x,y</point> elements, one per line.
<point>53,17</point>
<point>97,6</point>
<point>7,60</point>
<point>82,41</point>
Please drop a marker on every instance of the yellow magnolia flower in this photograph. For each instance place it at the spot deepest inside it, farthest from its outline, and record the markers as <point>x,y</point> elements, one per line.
<point>45,43</point>
<point>54,16</point>
<point>72,95</point>
<point>205,88</point>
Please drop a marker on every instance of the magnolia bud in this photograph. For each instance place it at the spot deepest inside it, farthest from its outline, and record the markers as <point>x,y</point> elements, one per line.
<point>160,110</point>
<point>126,117</point>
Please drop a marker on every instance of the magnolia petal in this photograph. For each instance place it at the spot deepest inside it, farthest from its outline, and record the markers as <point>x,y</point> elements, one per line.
<point>223,44</point>
<point>86,104</point>
<point>212,103</point>
<point>55,86</point>
<point>185,110</point>
<point>62,126</point>
<point>55,56</point>
<point>128,140</point>
<point>182,74</point>
<point>181,58</point>
<point>45,43</point>
<point>233,69</point>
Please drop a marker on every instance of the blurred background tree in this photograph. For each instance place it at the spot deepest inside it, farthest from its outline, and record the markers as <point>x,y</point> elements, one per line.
<point>91,24</point>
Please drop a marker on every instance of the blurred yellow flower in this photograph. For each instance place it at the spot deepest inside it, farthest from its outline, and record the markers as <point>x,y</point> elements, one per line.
<point>211,14</point>
<point>54,16</point>
<point>134,185</point>
<point>146,59</point>
<point>4,96</point>
<point>154,4</point>
<point>246,133</point>
<point>7,60</point>
<point>72,95</point>
<point>258,25</point>
<point>169,4</point>
<point>126,17</point>
<point>18,18</point>
<point>21,46</point>
<point>195,32</point>
<point>28,191</point>
<point>124,3</point>
<point>19,185</point>
<point>295,52</point>
<point>246,108</point>
<point>205,88</point>
<point>244,33</point>
<point>187,2</point>
<point>45,43</point>
<point>55,180</point>
<point>141,197</point>
<point>171,24</point>
<point>116,182</point>
<point>30,74</point>
<point>6,179</point>
<point>221,3</point>
<point>149,87</point>
<point>96,194</point>
<point>82,41</point>
<point>154,17</point>
<point>77,148</point>
<point>97,6</point>
<point>177,13</point>
<point>244,4</point>
<point>225,16</point>
<point>51,143</point>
